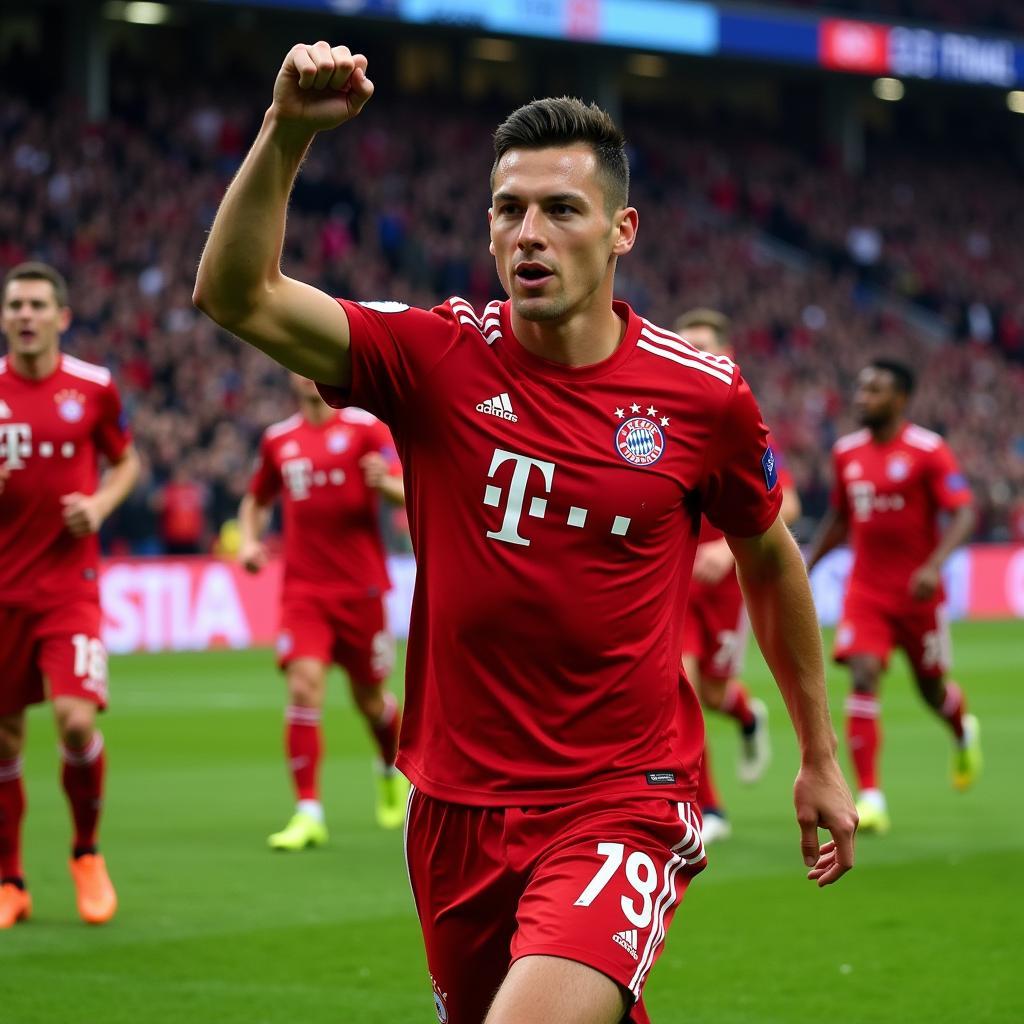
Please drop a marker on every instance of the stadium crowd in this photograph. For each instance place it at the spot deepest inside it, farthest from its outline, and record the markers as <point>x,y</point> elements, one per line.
<point>395,208</point>
<point>990,15</point>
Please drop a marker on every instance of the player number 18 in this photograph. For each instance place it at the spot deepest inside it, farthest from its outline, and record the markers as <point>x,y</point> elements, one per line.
<point>90,658</point>
<point>641,874</point>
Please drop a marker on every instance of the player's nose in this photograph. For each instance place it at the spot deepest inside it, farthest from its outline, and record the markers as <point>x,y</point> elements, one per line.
<point>530,234</point>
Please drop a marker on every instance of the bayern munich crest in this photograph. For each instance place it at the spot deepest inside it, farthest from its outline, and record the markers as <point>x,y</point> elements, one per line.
<point>640,441</point>
<point>70,405</point>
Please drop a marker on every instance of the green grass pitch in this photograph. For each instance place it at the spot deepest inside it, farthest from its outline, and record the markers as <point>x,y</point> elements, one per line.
<point>215,929</point>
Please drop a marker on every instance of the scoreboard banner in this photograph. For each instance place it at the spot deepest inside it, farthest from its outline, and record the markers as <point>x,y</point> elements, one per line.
<point>686,26</point>
<point>198,603</point>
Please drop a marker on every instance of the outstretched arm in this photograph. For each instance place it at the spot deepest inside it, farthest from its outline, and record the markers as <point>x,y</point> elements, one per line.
<point>778,599</point>
<point>240,284</point>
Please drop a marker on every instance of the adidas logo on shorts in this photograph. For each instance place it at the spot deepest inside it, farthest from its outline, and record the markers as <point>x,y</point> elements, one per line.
<point>627,940</point>
<point>499,406</point>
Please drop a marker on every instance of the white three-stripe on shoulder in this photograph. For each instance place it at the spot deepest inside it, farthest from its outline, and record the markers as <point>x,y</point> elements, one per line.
<point>85,371</point>
<point>678,350</point>
<point>489,324</point>
<point>282,427</point>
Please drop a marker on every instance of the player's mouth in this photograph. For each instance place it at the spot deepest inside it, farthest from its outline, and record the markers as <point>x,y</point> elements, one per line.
<point>532,275</point>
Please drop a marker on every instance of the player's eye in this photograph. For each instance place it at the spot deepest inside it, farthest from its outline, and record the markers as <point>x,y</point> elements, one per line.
<point>562,209</point>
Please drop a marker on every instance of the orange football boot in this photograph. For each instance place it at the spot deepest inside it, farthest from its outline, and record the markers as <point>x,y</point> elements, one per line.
<point>15,905</point>
<point>97,900</point>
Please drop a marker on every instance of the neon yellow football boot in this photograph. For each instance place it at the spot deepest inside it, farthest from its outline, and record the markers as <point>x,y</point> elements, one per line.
<point>392,796</point>
<point>967,756</point>
<point>301,832</point>
<point>873,813</point>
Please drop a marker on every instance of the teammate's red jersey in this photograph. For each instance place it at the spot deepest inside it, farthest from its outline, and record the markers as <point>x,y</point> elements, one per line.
<point>891,495</point>
<point>332,540</point>
<point>554,511</point>
<point>51,432</point>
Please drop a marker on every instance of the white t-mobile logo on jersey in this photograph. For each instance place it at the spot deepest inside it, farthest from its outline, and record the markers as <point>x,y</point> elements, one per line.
<point>524,465</point>
<point>15,444</point>
<point>298,477</point>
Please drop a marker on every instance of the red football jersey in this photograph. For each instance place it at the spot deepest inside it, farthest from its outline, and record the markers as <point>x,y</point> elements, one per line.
<point>554,511</point>
<point>891,495</point>
<point>332,540</point>
<point>51,432</point>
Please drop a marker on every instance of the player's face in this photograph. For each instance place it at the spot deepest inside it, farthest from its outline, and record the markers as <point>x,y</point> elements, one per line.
<point>552,237</point>
<point>877,400</point>
<point>705,338</point>
<point>32,319</point>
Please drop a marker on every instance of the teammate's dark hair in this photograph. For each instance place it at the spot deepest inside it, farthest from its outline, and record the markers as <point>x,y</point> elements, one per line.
<point>563,121</point>
<point>902,375</point>
<point>704,317</point>
<point>35,271</point>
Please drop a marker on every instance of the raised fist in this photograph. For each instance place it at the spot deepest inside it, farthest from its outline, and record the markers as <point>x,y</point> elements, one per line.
<point>321,86</point>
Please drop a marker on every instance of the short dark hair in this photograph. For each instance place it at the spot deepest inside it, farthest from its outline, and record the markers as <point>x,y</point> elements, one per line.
<point>902,375</point>
<point>36,271</point>
<point>705,317</point>
<point>562,121</point>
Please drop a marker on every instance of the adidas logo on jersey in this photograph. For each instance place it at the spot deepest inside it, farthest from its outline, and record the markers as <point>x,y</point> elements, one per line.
<point>627,940</point>
<point>498,406</point>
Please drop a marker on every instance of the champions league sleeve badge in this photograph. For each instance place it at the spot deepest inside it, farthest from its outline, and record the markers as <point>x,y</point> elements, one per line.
<point>639,439</point>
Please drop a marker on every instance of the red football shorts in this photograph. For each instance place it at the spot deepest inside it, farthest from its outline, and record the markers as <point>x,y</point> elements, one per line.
<point>873,626</point>
<point>715,628</point>
<point>595,881</point>
<point>350,632</point>
<point>60,645</point>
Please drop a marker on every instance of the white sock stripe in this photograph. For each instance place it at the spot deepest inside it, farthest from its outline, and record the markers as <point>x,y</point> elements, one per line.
<point>77,758</point>
<point>302,716</point>
<point>10,770</point>
<point>862,707</point>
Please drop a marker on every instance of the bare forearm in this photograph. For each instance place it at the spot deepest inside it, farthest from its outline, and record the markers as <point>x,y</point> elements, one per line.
<point>117,483</point>
<point>242,255</point>
<point>778,599</point>
<point>392,488</point>
<point>252,519</point>
<point>830,534</point>
<point>958,532</point>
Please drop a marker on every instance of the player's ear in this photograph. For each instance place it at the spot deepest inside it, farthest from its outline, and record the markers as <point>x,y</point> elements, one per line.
<point>490,226</point>
<point>627,222</point>
<point>64,319</point>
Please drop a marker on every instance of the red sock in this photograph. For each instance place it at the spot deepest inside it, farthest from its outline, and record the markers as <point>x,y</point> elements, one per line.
<point>304,748</point>
<point>736,703</point>
<point>385,730</point>
<point>707,795</point>
<point>12,810</point>
<point>82,775</point>
<point>864,736</point>
<point>954,707</point>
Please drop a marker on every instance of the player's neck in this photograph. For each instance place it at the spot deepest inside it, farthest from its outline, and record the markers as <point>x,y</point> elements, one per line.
<point>887,431</point>
<point>588,337</point>
<point>35,367</point>
<point>316,413</point>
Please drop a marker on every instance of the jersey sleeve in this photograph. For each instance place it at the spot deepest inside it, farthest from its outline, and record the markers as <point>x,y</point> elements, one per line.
<point>394,347</point>
<point>741,488</point>
<point>111,434</point>
<point>837,497</point>
<point>265,484</point>
<point>947,483</point>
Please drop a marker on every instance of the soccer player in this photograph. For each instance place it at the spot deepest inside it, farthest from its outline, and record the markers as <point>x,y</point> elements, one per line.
<point>715,629</point>
<point>558,452</point>
<point>892,480</point>
<point>329,467</point>
<point>57,415</point>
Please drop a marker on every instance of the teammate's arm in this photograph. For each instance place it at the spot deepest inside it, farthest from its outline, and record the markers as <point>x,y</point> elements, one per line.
<point>253,519</point>
<point>240,284</point>
<point>791,506</point>
<point>86,513</point>
<point>377,472</point>
<point>831,532</point>
<point>778,599</point>
<point>926,579</point>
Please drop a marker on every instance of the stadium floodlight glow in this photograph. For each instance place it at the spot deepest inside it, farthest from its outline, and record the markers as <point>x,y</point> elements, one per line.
<point>138,13</point>
<point>647,65</point>
<point>503,50</point>
<point>1015,101</point>
<point>889,89</point>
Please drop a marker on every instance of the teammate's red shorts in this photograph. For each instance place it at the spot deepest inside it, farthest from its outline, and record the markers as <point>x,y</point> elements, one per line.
<point>61,645</point>
<point>715,628</point>
<point>595,881</point>
<point>875,625</point>
<point>350,632</point>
